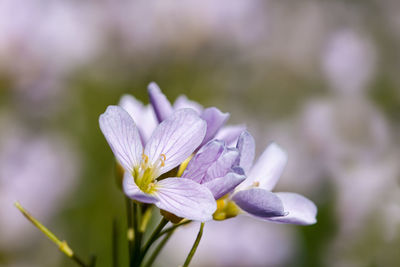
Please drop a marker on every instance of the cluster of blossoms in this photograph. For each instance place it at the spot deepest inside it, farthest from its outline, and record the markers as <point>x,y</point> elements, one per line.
<point>182,159</point>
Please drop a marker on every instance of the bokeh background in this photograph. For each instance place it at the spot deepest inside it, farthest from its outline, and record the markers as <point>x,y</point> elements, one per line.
<point>321,78</point>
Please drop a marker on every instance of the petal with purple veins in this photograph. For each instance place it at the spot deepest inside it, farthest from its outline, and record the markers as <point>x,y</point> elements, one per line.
<point>185,198</point>
<point>142,115</point>
<point>223,185</point>
<point>259,202</point>
<point>122,135</point>
<point>204,158</point>
<point>175,139</point>
<point>301,210</point>
<point>162,107</point>
<point>223,165</point>
<point>246,146</point>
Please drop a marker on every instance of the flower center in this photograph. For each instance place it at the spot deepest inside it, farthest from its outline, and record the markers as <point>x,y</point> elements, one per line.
<point>146,173</point>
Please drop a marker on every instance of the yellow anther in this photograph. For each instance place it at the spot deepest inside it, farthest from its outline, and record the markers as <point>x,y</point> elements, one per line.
<point>256,184</point>
<point>145,158</point>
<point>163,159</point>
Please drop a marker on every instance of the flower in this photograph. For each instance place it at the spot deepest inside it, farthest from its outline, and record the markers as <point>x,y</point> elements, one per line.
<point>215,166</point>
<point>254,195</point>
<point>214,117</point>
<point>171,143</point>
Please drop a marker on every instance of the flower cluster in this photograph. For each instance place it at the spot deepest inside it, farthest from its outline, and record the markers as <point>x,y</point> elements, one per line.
<point>182,159</point>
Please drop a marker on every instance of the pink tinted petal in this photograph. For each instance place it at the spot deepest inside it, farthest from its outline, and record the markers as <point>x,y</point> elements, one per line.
<point>162,107</point>
<point>215,120</point>
<point>223,185</point>
<point>176,138</point>
<point>133,191</point>
<point>230,133</point>
<point>204,158</point>
<point>301,210</point>
<point>122,135</point>
<point>259,202</point>
<point>246,146</point>
<point>185,198</point>
<point>183,102</point>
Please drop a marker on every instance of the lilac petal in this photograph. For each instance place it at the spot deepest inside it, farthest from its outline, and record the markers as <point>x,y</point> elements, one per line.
<point>230,133</point>
<point>162,107</point>
<point>301,210</point>
<point>204,158</point>
<point>183,102</point>
<point>259,202</point>
<point>185,198</point>
<point>223,165</point>
<point>246,146</point>
<point>122,135</point>
<point>215,120</point>
<point>223,185</point>
<point>142,115</point>
<point>134,192</point>
<point>268,168</point>
<point>175,139</point>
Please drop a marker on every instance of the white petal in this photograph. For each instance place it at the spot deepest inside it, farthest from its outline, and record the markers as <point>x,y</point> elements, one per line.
<point>185,198</point>
<point>122,135</point>
<point>176,137</point>
<point>268,168</point>
<point>301,210</point>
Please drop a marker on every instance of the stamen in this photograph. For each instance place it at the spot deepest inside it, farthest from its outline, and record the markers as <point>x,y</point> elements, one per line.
<point>163,159</point>
<point>145,158</point>
<point>256,184</point>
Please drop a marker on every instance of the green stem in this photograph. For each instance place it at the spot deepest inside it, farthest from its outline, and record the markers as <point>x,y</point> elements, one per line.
<point>195,245</point>
<point>137,212</point>
<point>159,247</point>
<point>115,244</point>
<point>153,237</point>
<point>62,245</point>
<point>130,231</point>
<point>172,228</point>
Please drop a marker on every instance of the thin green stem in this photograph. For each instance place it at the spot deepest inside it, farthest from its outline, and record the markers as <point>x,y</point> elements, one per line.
<point>195,245</point>
<point>153,237</point>
<point>145,219</point>
<point>159,247</point>
<point>62,245</point>
<point>130,231</point>
<point>172,228</point>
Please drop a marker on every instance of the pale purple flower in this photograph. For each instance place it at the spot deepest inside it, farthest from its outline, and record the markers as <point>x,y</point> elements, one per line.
<point>214,167</point>
<point>171,143</point>
<point>143,115</point>
<point>254,194</point>
<point>214,117</point>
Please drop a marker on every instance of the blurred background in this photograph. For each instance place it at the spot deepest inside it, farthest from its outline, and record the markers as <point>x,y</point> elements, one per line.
<point>321,78</point>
